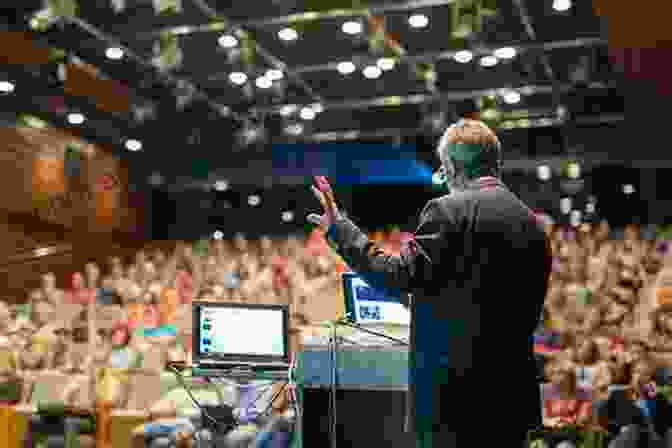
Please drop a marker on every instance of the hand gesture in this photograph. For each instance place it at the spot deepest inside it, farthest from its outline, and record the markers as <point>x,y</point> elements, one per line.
<point>325,195</point>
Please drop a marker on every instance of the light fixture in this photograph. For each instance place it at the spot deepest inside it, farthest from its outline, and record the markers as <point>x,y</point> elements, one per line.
<point>76,118</point>
<point>345,68</point>
<point>385,64</point>
<point>544,172</point>
<point>351,27</point>
<point>155,179</point>
<point>511,97</point>
<point>133,145</point>
<point>294,129</point>
<point>6,87</point>
<point>218,235</point>
<point>263,82</point>
<point>307,113</point>
<point>238,78</point>
<point>221,185</point>
<point>573,170</point>
<point>372,72</point>
<point>418,21</point>
<point>114,53</point>
<point>489,61</point>
<point>227,41</point>
<point>254,200</point>
<point>274,74</point>
<point>288,34</point>
<point>575,218</point>
<point>628,189</point>
<point>463,56</point>
<point>590,207</point>
<point>318,108</point>
<point>562,5</point>
<point>565,205</point>
<point>505,53</point>
<point>287,110</point>
<point>287,216</point>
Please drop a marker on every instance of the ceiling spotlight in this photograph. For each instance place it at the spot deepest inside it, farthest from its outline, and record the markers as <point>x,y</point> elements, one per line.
<point>76,118</point>
<point>565,205</point>
<point>544,172</point>
<point>590,207</point>
<point>573,170</point>
<point>287,110</point>
<point>218,235</point>
<point>254,200</point>
<point>133,145</point>
<point>463,56</point>
<point>372,72</point>
<point>511,97</point>
<point>227,41</point>
<point>114,53</point>
<point>238,78</point>
<point>489,61</point>
<point>345,68</point>
<point>562,5</point>
<point>307,113</point>
<point>263,82</point>
<point>628,189</point>
<point>6,87</point>
<point>505,53</point>
<point>575,218</point>
<point>274,74</point>
<point>221,185</point>
<point>317,108</point>
<point>294,129</point>
<point>418,21</point>
<point>287,216</point>
<point>288,34</point>
<point>385,64</point>
<point>351,27</point>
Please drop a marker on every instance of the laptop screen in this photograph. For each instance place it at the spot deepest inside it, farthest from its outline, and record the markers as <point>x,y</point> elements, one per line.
<point>240,332</point>
<point>366,304</point>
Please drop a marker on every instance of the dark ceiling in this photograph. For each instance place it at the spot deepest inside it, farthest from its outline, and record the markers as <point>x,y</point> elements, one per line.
<point>194,121</point>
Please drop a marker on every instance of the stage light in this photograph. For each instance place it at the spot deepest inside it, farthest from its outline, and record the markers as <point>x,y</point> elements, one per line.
<point>238,78</point>
<point>489,61</point>
<point>294,129</point>
<point>372,72</point>
<point>562,5</point>
<point>345,68</point>
<point>254,200</point>
<point>544,172</point>
<point>274,74</point>
<point>511,97</point>
<point>221,185</point>
<point>263,82</point>
<point>385,64</point>
<point>287,110</point>
<point>218,235</point>
<point>288,34</point>
<point>133,145</point>
<point>464,56</point>
<point>307,113</point>
<point>351,27</point>
<point>114,53</point>
<point>573,170</point>
<point>227,41</point>
<point>575,218</point>
<point>318,108</point>
<point>505,53</point>
<point>590,207</point>
<point>6,87</point>
<point>287,216</point>
<point>76,118</point>
<point>628,189</point>
<point>418,21</point>
<point>565,205</point>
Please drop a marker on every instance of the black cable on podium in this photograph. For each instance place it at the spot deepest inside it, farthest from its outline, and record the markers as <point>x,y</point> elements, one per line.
<point>333,350</point>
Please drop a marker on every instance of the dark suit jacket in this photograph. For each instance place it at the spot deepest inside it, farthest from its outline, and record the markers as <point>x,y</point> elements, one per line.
<point>478,281</point>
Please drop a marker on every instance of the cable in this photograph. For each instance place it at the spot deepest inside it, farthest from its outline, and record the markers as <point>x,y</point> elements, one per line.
<point>183,383</point>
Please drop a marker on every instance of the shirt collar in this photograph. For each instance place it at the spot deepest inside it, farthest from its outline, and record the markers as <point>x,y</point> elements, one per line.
<point>485,183</point>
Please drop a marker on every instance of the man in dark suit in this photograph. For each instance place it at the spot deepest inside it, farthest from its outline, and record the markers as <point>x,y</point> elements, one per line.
<point>477,272</point>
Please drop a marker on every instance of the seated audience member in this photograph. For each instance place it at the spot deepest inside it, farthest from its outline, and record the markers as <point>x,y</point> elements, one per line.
<point>661,331</point>
<point>563,401</point>
<point>79,293</point>
<point>586,358</point>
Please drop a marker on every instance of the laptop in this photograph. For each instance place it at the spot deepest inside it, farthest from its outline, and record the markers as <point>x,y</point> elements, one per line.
<point>229,336</point>
<point>369,306</point>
